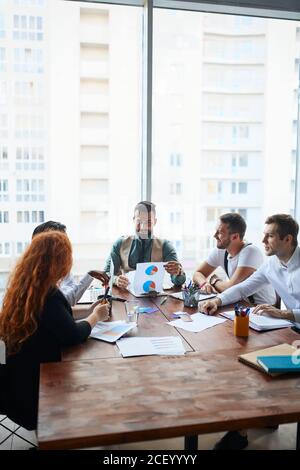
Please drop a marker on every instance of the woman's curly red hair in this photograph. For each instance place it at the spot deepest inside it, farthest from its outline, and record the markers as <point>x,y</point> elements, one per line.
<point>46,260</point>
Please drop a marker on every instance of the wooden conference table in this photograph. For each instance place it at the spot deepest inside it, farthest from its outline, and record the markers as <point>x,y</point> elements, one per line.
<point>94,397</point>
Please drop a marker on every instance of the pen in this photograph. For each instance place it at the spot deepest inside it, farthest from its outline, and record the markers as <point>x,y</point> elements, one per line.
<point>163,300</point>
<point>202,285</point>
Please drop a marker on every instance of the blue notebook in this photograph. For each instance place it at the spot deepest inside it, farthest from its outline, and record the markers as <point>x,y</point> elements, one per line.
<point>279,364</point>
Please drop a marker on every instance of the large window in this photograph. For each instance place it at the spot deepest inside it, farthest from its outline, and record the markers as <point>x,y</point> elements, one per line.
<point>73,123</point>
<point>70,124</point>
<point>220,105</point>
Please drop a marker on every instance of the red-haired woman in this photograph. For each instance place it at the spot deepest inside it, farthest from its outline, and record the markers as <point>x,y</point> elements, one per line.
<point>36,322</point>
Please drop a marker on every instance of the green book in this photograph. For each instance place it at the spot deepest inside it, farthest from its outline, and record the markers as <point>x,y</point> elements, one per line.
<point>280,364</point>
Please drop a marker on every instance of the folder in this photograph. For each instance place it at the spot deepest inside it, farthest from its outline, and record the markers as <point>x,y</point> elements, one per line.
<point>280,364</point>
<point>250,359</point>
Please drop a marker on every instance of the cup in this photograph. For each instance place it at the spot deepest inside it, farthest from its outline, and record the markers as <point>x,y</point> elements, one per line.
<point>241,325</point>
<point>190,300</point>
<point>132,311</point>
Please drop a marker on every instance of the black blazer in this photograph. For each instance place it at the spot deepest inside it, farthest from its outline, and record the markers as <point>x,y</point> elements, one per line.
<point>56,329</point>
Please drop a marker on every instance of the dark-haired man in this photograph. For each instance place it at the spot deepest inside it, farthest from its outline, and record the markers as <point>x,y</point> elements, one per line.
<point>143,247</point>
<point>238,258</point>
<point>71,289</point>
<point>282,271</point>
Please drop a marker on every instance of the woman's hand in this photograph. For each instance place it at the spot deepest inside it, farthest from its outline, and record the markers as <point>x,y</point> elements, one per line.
<point>102,311</point>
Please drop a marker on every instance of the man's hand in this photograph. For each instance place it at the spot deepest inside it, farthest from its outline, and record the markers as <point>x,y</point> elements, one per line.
<point>209,306</point>
<point>208,289</point>
<point>122,281</point>
<point>270,310</point>
<point>173,267</point>
<point>100,275</point>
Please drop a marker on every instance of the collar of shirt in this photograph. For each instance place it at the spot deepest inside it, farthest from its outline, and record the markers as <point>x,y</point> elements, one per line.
<point>293,262</point>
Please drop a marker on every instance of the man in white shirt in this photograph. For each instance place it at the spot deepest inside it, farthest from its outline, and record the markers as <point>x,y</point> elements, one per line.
<point>238,258</point>
<point>282,270</point>
<point>71,289</point>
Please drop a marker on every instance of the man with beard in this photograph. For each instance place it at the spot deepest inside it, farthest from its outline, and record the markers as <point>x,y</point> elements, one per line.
<point>143,247</point>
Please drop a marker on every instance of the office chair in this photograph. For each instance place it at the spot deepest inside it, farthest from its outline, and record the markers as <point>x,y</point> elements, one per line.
<point>2,404</point>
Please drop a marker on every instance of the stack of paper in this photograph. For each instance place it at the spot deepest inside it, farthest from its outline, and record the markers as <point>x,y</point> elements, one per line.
<point>111,331</point>
<point>199,322</point>
<point>261,322</point>
<point>162,346</point>
<point>279,350</point>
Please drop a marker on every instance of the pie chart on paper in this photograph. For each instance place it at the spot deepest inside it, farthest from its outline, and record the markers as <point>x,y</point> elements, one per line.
<point>151,270</point>
<point>149,286</point>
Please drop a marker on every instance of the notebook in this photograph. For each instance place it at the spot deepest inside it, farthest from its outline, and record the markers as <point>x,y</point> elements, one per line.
<point>280,364</point>
<point>111,331</point>
<point>261,322</point>
<point>250,359</point>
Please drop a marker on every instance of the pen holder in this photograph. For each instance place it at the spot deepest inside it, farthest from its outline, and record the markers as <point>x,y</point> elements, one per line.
<point>241,326</point>
<point>190,300</point>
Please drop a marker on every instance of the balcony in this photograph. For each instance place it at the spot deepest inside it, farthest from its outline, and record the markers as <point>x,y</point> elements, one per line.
<point>94,202</point>
<point>92,34</point>
<point>94,69</point>
<point>94,170</point>
<point>94,137</point>
<point>94,103</point>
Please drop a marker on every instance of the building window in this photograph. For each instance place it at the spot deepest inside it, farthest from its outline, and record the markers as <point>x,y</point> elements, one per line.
<point>243,160</point>
<point>4,249</point>
<point>175,159</point>
<point>3,190</point>
<point>4,217</point>
<point>242,212</point>
<point>30,190</point>
<point>28,92</point>
<point>2,26</point>
<point>210,214</point>
<point>20,247</point>
<point>233,187</point>
<point>243,188</point>
<point>28,27</point>
<point>175,217</point>
<point>29,126</point>
<point>175,188</point>
<point>3,153</point>
<point>30,158</point>
<point>28,60</point>
<point>3,92</point>
<point>3,126</point>
<point>28,217</point>
<point>2,59</point>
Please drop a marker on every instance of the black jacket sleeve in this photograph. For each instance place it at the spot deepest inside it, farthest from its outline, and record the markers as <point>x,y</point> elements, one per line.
<point>57,318</point>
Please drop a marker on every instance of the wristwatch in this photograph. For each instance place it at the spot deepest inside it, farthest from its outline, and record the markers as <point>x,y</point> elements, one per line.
<point>213,280</point>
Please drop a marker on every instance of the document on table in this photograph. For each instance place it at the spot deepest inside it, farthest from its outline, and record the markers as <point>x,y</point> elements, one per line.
<point>200,322</point>
<point>111,331</point>
<point>149,346</point>
<point>147,278</point>
<point>261,322</point>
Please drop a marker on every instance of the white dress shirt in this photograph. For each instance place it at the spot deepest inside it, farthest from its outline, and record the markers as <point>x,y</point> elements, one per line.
<point>72,290</point>
<point>284,278</point>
